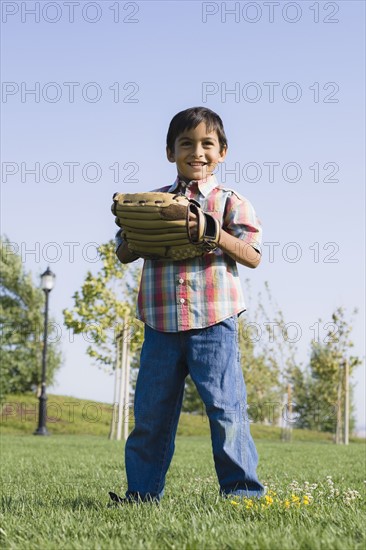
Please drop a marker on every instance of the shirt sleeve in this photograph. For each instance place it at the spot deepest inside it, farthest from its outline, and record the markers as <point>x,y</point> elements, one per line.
<point>118,239</point>
<point>241,221</point>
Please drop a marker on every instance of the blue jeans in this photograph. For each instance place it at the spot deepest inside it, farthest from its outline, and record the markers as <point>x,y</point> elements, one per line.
<point>211,357</point>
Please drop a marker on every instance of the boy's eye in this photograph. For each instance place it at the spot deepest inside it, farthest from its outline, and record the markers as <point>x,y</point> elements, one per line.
<point>204,143</point>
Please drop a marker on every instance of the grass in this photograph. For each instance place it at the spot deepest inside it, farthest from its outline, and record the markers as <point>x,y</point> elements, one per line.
<point>55,496</point>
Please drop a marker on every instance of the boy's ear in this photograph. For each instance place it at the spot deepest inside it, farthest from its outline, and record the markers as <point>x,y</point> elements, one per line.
<point>170,155</point>
<point>223,154</point>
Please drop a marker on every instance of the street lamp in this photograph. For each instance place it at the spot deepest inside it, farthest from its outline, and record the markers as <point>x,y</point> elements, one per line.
<point>47,282</point>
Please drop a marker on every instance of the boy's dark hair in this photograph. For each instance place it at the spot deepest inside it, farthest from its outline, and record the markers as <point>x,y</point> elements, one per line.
<point>191,118</point>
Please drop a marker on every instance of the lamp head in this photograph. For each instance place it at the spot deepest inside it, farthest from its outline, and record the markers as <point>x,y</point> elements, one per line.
<point>47,280</point>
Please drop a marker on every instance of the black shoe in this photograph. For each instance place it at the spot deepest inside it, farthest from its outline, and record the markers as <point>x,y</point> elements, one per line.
<point>119,500</point>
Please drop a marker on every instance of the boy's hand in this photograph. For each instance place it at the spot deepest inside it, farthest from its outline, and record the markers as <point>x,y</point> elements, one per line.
<point>201,223</point>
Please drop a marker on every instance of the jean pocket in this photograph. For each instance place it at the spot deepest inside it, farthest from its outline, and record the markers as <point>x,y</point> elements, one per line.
<point>231,322</point>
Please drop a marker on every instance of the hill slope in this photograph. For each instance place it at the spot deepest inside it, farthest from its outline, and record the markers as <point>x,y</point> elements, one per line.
<point>73,416</point>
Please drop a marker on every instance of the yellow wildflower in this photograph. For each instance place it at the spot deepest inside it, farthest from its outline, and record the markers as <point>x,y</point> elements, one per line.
<point>268,499</point>
<point>234,502</point>
<point>249,504</point>
<point>287,504</point>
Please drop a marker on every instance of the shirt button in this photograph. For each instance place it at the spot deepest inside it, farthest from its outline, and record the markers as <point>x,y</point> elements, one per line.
<point>182,300</point>
<point>181,281</point>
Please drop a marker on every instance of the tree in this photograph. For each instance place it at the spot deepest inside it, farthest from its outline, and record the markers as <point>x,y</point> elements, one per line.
<point>102,305</point>
<point>192,402</point>
<point>319,392</point>
<point>22,322</point>
<point>301,383</point>
<point>268,353</point>
<point>261,376</point>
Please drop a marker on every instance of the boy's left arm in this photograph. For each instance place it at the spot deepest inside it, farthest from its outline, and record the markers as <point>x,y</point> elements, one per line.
<point>242,235</point>
<point>241,252</point>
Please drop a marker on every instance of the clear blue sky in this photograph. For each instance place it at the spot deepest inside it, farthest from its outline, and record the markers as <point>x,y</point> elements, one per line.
<point>108,77</point>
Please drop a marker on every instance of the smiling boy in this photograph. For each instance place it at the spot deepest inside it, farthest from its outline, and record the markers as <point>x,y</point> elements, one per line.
<point>190,309</point>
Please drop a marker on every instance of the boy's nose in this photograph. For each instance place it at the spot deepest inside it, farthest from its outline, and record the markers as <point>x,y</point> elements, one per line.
<point>198,152</point>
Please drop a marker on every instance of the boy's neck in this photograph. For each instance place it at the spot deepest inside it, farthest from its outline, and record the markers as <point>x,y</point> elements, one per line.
<point>187,181</point>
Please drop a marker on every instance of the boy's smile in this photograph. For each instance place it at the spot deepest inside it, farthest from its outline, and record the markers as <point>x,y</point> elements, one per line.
<point>196,153</point>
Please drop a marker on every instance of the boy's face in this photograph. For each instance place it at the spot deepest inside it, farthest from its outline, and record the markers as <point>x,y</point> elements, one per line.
<point>196,153</point>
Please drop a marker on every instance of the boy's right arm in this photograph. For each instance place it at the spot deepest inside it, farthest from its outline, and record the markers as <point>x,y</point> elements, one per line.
<point>123,253</point>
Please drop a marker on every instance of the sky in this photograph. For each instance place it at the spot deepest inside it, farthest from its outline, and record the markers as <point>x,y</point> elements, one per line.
<point>88,91</point>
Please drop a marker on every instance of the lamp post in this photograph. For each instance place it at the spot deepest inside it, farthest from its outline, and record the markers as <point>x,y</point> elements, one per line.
<point>47,282</point>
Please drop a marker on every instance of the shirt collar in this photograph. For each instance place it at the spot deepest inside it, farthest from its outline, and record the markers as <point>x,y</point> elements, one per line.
<point>204,186</point>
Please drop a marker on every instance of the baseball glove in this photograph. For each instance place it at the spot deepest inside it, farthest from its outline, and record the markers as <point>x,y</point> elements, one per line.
<point>156,225</point>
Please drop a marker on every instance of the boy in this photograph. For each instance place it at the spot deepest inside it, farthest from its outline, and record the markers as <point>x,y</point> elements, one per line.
<point>190,310</point>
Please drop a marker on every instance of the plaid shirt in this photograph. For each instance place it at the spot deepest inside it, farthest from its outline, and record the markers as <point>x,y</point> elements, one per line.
<point>199,292</point>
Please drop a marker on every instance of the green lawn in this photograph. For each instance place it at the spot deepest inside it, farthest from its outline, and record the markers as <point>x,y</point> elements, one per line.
<point>55,495</point>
